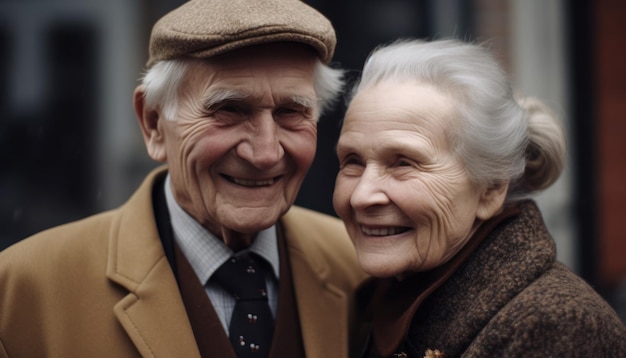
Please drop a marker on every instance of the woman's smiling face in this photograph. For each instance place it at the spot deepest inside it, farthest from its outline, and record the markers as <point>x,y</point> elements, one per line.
<point>404,195</point>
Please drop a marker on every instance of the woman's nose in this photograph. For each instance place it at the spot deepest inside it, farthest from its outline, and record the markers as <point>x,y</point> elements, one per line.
<point>370,190</point>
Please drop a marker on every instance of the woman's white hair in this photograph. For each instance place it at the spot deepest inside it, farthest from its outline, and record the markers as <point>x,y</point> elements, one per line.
<point>500,137</point>
<point>163,81</point>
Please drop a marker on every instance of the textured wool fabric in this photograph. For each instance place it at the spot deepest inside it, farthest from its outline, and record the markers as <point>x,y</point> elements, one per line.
<point>511,298</point>
<point>205,28</point>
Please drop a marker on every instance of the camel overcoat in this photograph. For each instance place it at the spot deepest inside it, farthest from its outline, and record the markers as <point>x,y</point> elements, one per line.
<point>103,287</point>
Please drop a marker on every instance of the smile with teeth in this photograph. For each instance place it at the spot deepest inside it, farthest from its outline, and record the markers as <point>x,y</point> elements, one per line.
<point>383,231</point>
<point>251,182</point>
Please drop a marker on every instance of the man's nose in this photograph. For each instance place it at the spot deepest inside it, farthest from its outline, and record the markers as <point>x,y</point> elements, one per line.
<point>262,147</point>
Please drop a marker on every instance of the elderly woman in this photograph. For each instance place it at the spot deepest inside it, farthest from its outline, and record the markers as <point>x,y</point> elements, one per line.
<point>438,160</point>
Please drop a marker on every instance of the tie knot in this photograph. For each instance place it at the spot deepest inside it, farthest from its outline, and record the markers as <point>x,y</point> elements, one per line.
<point>243,277</point>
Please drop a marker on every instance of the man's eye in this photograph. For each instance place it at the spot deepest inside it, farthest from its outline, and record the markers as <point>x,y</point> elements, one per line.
<point>230,109</point>
<point>287,111</point>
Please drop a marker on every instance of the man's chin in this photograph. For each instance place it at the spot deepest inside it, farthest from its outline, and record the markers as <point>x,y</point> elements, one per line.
<point>251,229</point>
<point>240,235</point>
<point>252,221</point>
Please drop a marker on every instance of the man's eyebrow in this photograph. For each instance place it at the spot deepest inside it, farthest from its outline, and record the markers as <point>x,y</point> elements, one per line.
<point>223,95</point>
<point>304,101</point>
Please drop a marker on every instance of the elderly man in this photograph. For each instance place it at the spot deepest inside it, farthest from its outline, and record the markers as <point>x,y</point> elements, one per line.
<point>207,258</point>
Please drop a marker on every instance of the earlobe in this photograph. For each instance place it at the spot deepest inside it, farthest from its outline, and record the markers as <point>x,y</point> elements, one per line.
<point>151,128</point>
<point>492,200</point>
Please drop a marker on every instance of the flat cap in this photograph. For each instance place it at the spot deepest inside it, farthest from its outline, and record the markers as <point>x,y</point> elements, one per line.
<point>205,28</point>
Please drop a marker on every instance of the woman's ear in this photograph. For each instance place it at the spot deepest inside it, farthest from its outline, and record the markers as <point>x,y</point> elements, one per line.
<point>492,200</point>
<point>152,130</point>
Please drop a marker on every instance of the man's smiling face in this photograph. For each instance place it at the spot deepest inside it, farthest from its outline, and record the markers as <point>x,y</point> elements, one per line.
<point>243,138</point>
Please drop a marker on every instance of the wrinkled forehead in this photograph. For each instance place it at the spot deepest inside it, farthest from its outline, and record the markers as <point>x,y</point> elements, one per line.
<point>406,106</point>
<point>405,100</point>
<point>255,75</point>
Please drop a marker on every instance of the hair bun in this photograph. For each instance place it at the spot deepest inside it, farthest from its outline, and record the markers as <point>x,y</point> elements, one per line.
<point>546,150</point>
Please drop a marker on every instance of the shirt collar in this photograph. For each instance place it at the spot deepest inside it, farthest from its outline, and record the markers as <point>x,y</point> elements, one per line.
<point>205,251</point>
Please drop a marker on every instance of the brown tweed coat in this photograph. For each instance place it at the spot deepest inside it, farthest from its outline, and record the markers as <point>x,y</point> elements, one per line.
<point>511,298</point>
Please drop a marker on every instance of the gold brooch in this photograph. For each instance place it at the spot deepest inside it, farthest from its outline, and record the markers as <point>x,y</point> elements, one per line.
<point>433,353</point>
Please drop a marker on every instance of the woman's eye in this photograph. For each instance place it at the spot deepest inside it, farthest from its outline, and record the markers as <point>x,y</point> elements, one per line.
<point>403,163</point>
<point>351,161</point>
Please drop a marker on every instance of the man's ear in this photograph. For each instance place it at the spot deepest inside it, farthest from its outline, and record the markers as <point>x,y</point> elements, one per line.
<point>152,130</point>
<point>491,200</point>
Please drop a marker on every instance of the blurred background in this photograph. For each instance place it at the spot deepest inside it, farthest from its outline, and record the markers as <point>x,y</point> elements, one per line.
<point>70,145</point>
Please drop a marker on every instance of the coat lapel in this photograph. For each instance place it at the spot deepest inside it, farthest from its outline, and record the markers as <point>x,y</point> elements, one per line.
<point>152,314</point>
<point>323,310</point>
<point>323,307</point>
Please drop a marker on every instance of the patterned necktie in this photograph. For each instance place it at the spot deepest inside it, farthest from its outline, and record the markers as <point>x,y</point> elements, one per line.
<point>252,324</point>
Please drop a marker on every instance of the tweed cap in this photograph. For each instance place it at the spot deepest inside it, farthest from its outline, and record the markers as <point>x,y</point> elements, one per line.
<point>205,28</point>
